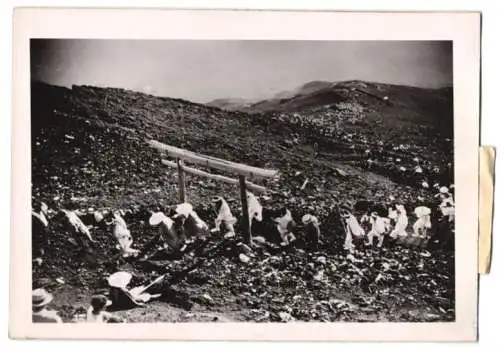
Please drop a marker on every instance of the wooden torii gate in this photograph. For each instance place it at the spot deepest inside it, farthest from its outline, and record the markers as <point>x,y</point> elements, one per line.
<point>243,172</point>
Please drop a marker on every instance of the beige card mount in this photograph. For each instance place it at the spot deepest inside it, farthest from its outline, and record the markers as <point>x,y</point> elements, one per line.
<point>486,201</point>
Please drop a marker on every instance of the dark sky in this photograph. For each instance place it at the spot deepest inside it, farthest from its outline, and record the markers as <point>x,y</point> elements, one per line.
<point>204,70</point>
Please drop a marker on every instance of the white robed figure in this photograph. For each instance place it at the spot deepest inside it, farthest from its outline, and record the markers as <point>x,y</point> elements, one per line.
<point>401,223</point>
<point>423,224</point>
<point>353,229</point>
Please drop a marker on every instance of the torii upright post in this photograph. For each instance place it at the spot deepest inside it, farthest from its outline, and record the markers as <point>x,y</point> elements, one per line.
<point>247,233</point>
<point>182,185</point>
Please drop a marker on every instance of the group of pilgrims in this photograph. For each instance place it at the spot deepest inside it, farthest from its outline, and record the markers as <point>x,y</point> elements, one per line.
<point>377,221</point>
<point>363,224</point>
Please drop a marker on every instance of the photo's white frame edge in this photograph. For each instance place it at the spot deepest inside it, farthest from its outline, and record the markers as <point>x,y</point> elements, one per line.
<point>461,27</point>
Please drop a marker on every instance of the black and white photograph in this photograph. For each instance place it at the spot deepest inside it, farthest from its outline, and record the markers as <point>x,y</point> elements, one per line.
<point>250,181</point>
<point>142,151</point>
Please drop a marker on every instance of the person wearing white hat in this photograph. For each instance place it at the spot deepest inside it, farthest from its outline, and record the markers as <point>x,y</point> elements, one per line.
<point>120,279</point>
<point>40,299</point>
<point>192,224</point>
<point>313,232</point>
<point>169,231</point>
<point>224,217</point>
<point>423,224</point>
<point>121,296</point>
<point>444,190</point>
<point>183,209</point>
<point>445,196</point>
<point>97,310</point>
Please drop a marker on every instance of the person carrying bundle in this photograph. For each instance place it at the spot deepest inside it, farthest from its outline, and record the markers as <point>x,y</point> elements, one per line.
<point>40,299</point>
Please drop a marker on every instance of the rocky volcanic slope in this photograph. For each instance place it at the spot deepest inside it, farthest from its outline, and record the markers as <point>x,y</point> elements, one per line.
<point>89,145</point>
<point>386,129</point>
<point>89,148</point>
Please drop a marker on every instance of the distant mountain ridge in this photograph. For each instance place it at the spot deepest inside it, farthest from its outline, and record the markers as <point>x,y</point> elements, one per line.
<point>314,93</point>
<point>231,104</point>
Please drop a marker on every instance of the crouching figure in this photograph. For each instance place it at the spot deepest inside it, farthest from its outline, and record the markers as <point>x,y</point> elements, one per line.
<point>224,217</point>
<point>191,225</point>
<point>122,235</point>
<point>170,231</point>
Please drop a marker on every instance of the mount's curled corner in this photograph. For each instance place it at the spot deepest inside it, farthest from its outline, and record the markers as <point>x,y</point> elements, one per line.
<point>486,192</point>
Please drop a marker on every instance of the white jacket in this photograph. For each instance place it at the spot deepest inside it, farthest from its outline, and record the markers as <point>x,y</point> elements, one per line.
<point>254,207</point>
<point>422,224</point>
<point>401,223</point>
<point>224,214</point>
<point>122,235</point>
<point>382,224</point>
<point>354,227</point>
<point>283,222</point>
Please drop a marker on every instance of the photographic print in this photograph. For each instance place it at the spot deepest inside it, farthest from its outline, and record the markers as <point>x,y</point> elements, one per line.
<point>354,223</point>
<point>248,182</point>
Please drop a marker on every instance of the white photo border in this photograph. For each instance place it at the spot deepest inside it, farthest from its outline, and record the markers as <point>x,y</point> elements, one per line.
<point>463,28</point>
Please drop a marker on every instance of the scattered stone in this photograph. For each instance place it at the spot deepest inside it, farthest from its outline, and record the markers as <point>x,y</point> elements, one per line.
<point>321,260</point>
<point>285,317</point>
<point>244,258</point>
<point>209,299</point>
